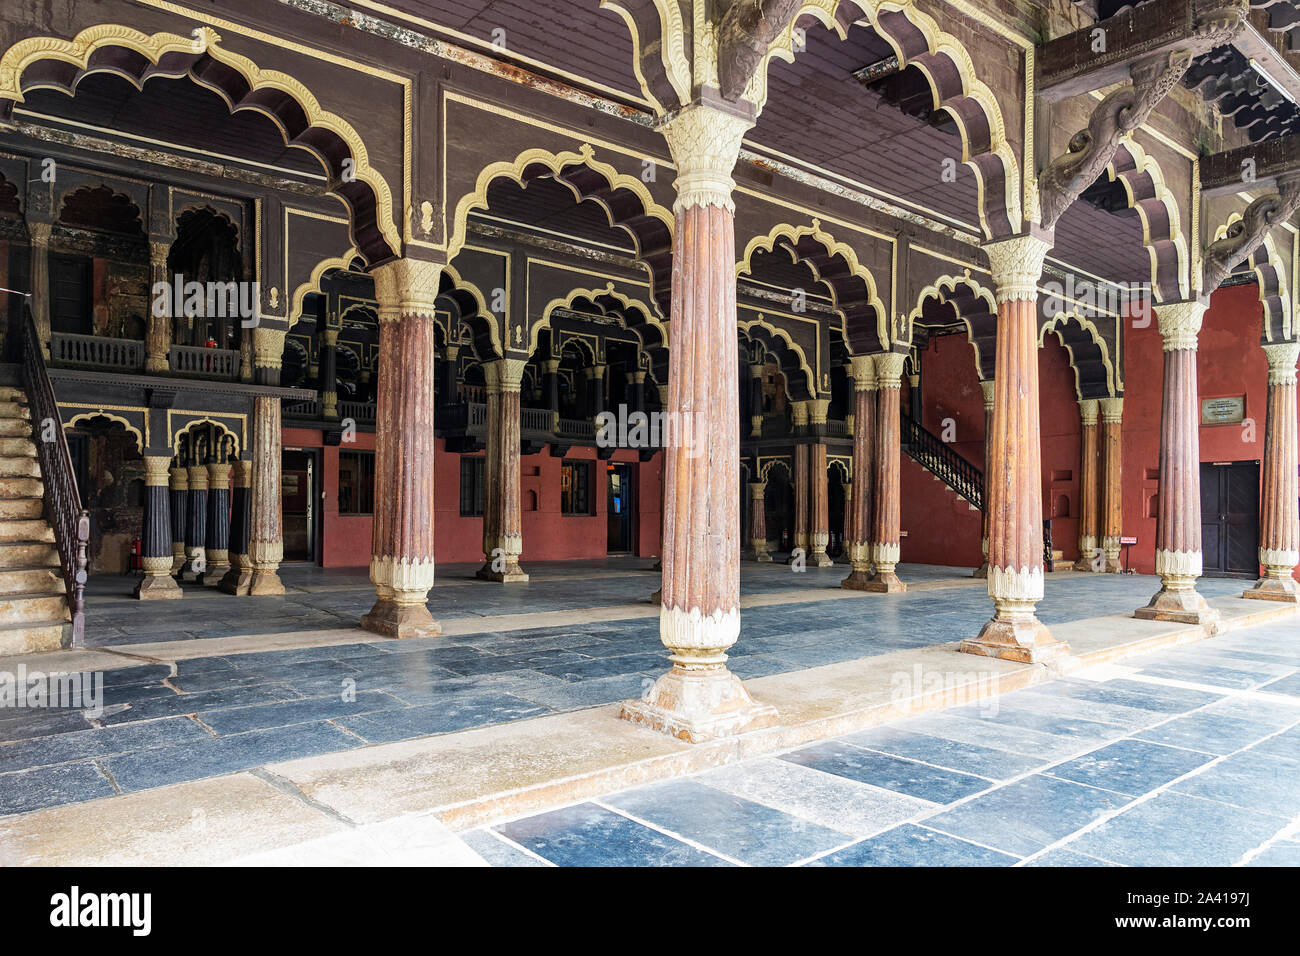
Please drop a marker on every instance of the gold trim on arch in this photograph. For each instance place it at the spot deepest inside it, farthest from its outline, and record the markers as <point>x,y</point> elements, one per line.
<point>1274,260</point>
<point>1113,384</point>
<point>834,247</point>
<point>174,438</point>
<point>566,302</point>
<point>795,347</point>
<point>313,284</point>
<point>465,285</point>
<point>1146,163</point>
<point>78,51</point>
<point>141,441</point>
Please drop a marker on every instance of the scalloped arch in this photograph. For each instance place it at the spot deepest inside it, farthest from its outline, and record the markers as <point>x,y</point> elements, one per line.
<point>770,334</point>
<point>1270,271</point>
<point>136,57</point>
<point>221,426</point>
<point>313,283</point>
<point>472,310</point>
<point>1157,208</point>
<point>652,319</point>
<point>980,322</point>
<point>1074,345</point>
<point>101,413</point>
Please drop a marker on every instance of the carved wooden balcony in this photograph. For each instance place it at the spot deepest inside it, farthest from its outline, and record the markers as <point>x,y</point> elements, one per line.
<point>68,350</point>
<point>189,361</point>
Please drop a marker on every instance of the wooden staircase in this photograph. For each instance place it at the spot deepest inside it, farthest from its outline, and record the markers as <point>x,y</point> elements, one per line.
<point>34,614</point>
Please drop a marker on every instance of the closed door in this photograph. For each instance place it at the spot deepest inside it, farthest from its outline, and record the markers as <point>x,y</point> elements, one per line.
<point>70,300</point>
<point>619,508</point>
<point>1230,519</point>
<point>298,471</point>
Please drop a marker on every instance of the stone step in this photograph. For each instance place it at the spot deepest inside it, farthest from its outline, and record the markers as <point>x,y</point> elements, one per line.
<point>17,447</point>
<point>32,581</point>
<point>15,427</point>
<point>21,508</point>
<point>26,607</point>
<point>15,410</point>
<point>22,488</point>
<point>26,555</point>
<point>31,638</point>
<point>29,529</point>
<point>19,467</point>
<point>10,394</point>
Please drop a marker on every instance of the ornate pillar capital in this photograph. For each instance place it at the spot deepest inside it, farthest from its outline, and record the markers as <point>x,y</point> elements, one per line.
<point>989,387</point>
<point>1088,411</point>
<point>504,375</point>
<point>818,410</point>
<point>268,347</point>
<point>757,489</point>
<point>39,233</point>
<point>705,143</point>
<point>799,413</point>
<point>1017,265</point>
<point>1282,360</point>
<point>159,251</point>
<point>406,287</point>
<point>157,471</point>
<point>1112,410</point>
<point>1180,323</point>
<point>889,369</point>
<point>863,369</point>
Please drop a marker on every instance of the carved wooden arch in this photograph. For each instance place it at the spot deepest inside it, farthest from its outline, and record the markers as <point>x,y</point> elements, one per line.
<point>185,428</point>
<point>61,201</point>
<point>312,285</point>
<point>1270,271</point>
<point>1095,372</point>
<point>57,64</point>
<point>835,265</point>
<point>800,382</point>
<point>1157,208</point>
<point>130,429</point>
<point>844,466</point>
<point>765,469</point>
<point>634,315</point>
<point>976,308</point>
<point>625,199</point>
<point>466,308</point>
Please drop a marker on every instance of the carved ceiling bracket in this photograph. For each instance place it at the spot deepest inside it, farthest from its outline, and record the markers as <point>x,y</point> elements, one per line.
<point>1244,238</point>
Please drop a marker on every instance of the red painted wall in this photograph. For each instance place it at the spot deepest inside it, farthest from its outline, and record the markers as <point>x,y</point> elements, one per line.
<point>548,535</point>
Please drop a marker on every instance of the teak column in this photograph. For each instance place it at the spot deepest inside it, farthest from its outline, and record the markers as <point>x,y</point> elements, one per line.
<point>158,338</point>
<point>1178,524</point>
<point>239,579</point>
<point>819,515</point>
<point>1279,532</point>
<point>1089,498</point>
<point>802,475</point>
<point>401,562</point>
<point>858,543</point>
<point>886,507</point>
<point>196,525</point>
<point>987,387</point>
<point>218,532</point>
<point>179,494</point>
<point>699,618</point>
<point>758,520</point>
<point>266,522</point>
<point>503,538</point>
<point>156,534</point>
<point>1013,484</point>
<point>1112,481</point>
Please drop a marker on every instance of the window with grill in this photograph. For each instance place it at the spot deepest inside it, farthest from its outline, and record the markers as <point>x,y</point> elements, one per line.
<point>471,487</point>
<point>356,482</point>
<point>575,488</point>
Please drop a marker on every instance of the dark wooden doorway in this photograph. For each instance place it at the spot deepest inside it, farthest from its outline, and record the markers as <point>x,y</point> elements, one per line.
<point>70,296</point>
<point>299,494</point>
<point>620,508</point>
<point>1230,519</point>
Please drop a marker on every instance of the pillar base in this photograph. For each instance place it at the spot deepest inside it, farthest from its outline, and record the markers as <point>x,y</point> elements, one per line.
<point>1270,588</point>
<point>982,572</point>
<point>400,620</point>
<point>1183,606</point>
<point>696,704</point>
<point>658,597</point>
<point>513,574</point>
<point>238,582</point>
<point>214,575</point>
<point>858,581</point>
<point>1083,564</point>
<point>265,582</point>
<point>160,587</point>
<point>763,557</point>
<point>1019,637</point>
<point>1113,566</point>
<point>820,559</point>
<point>885,582</point>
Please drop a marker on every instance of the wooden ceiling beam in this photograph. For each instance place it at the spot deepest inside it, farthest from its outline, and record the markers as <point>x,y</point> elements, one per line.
<point>1250,167</point>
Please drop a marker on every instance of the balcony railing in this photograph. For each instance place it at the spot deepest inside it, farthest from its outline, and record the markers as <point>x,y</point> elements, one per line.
<point>535,420</point>
<point>362,412</point>
<point>196,362</point>
<point>96,351</point>
<point>304,409</point>
<point>577,429</point>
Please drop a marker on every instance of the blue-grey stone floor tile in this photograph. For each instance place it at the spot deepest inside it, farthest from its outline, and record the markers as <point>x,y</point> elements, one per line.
<point>454,713</point>
<point>911,845</point>
<point>889,773</point>
<point>590,835</point>
<point>64,748</point>
<point>236,720</point>
<point>1026,815</point>
<point>942,752</point>
<point>1285,685</point>
<point>741,829</point>
<point>1172,829</point>
<point>1279,854</point>
<point>1251,779</point>
<point>497,851</point>
<point>1062,857</point>
<point>27,790</point>
<point>1132,767</point>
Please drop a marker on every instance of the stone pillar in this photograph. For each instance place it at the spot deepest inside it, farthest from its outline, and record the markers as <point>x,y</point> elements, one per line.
<point>39,233</point>
<point>551,376</point>
<point>635,392</point>
<point>450,369</point>
<point>986,385</point>
<point>1112,487</point>
<point>239,579</point>
<point>180,485</point>
<point>401,563</point>
<point>886,507</point>
<point>503,539</point>
<point>156,534</point>
<point>1178,524</point>
<point>801,500</point>
<point>266,523</point>
<point>858,540</point>
<point>196,524</point>
<point>218,537</point>
<point>700,698</point>
<point>758,520</point>
<point>1013,485</point>
<point>1089,492</point>
<point>329,385</point>
<point>1279,525</point>
<point>846,489</point>
<point>819,516</point>
<point>158,338</point>
<point>756,401</point>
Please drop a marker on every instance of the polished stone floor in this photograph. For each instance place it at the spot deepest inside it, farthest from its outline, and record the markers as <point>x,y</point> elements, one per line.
<point>199,717</point>
<point>1187,756</point>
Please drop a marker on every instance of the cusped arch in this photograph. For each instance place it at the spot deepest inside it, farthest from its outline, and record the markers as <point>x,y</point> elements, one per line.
<point>129,210</point>
<point>1157,208</point>
<point>771,464</point>
<point>635,315</point>
<point>58,64</point>
<point>1270,272</point>
<point>132,430</point>
<point>625,199</point>
<point>835,265</point>
<point>464,303</point>
<point>800,381</point>
<point>1095,375</point>
<point>222,427</point>
<point>976,307</point>
<point>312,285</point>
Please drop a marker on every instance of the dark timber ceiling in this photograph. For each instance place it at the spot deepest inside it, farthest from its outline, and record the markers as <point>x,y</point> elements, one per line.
<point>549,205</point>
<point>175,111</point>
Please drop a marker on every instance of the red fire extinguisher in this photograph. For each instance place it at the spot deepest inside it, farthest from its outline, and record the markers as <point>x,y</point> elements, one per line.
<point>135,554</point>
